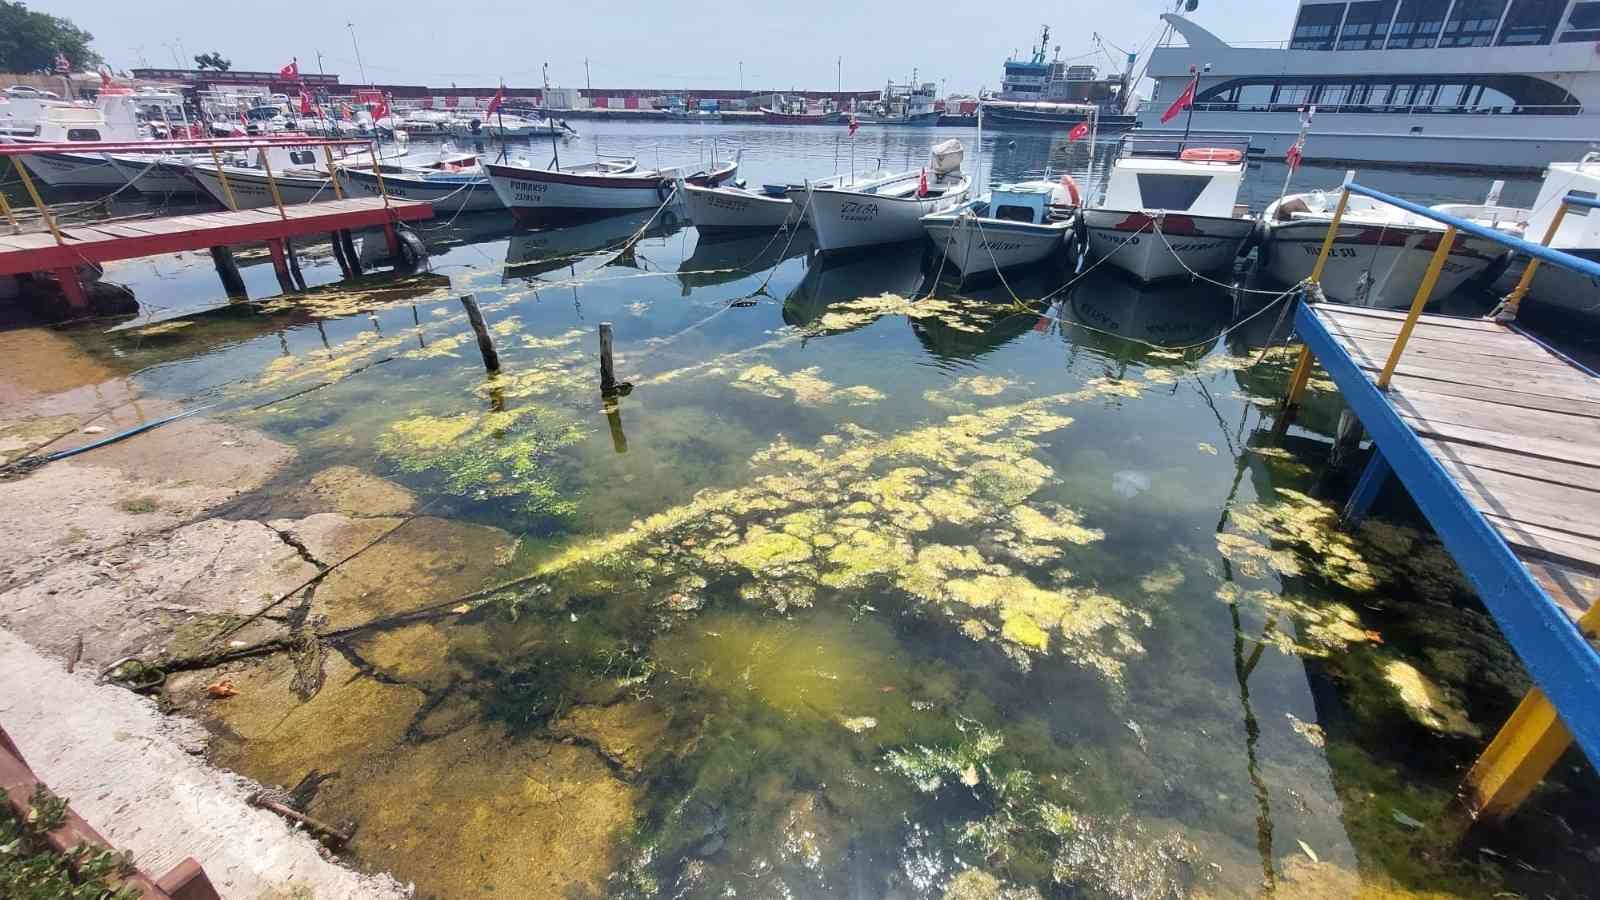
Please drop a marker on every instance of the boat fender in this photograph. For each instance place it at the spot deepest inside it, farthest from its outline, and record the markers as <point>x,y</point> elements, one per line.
<point>412,251</point>
<point>1072,190</point>
<point>663,190</point>
<point>1257,239</point>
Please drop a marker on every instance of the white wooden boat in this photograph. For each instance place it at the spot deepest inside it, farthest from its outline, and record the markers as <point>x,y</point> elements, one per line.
<point>889,210</point>
<point>509,126</point>
<point>1578,235</point>
<point>1381,252</point>
<point>540,197</point>
<point>728,207</point>
<point>463,190</point>
<point>1170,206</point>
<point>297,172</point>
<point>1013,225</point>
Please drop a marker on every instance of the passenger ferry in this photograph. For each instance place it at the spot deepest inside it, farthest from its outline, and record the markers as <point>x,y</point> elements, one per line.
<point>1480,85</point>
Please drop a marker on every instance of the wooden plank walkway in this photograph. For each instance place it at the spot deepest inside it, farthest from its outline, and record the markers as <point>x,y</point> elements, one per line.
<point>1497,439</point>
<point>92,243</point>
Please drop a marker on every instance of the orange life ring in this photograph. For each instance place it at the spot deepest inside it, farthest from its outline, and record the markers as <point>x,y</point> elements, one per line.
<point>1072,190</point>
<point>1210,154</point>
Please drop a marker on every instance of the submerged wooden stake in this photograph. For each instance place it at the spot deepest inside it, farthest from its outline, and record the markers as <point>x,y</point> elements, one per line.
<point>338,254</point>
<point>608,376</point>
<point>491,360</point>
<point>228,271</point>
<point>294,264</point>
<point>349,244</point>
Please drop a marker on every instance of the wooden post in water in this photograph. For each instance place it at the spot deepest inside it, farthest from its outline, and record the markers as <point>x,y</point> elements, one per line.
<point>228,271</point>
<point>294,263</point>
<point>280,265</point>
<point>338,254</point>
<point>613,410</point>
<point>349,244</point>
<point>491,360</point>
<point>608,375</point>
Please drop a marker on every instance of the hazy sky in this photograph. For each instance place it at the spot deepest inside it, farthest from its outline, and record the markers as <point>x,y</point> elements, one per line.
<point>635,43</point>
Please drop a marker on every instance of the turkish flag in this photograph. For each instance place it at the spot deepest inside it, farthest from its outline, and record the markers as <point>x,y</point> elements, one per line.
<point>499,98</point>
<point>291,71</point>
<point>853,126</point>
<point>1078,132</point>
<point>1184,101</point>
<point>380,110</point>
<point>1293,156</point>
<point>305,104</point>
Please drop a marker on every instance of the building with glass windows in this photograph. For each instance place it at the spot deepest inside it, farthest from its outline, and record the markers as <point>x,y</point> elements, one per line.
<point>1472,84</point>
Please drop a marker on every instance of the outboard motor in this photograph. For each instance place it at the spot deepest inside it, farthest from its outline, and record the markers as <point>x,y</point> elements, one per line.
<point>944,159</point>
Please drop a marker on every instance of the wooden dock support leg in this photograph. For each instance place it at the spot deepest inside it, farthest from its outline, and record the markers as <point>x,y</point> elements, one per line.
<point>294,264</point>
<point>1522,753</point>
<point>349,244</point>
<point>608,375</point>
<point>390,235</point>
<point>228,271</point>
<point>280,266</point>
<point>491,359</point>
<point>1372,480</point>
<point>72,289</point>
<point>338,254</point>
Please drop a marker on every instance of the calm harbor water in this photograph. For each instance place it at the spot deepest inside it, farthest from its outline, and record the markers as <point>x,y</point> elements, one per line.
<point>873,586</point>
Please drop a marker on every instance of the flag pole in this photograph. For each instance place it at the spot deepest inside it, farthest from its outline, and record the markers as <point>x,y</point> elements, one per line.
<point>1193,91</point>
<point>1298,145</point>
<point>500,116</point>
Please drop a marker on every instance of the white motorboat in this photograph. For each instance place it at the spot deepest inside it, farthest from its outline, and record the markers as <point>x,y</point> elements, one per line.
<point>563,196</point>
<point>502,125</point>
<point>118,115</point>
<point>1170,207</point>
<point>467,190</point>
<point>729,207</point>
<point>888,210</point>
<point>297,172</point>
<point>1578,234</point>
<point>1012,225</point>
<point>1381,252</point>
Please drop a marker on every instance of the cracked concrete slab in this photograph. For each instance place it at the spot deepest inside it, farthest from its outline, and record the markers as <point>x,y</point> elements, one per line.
<point>130,771</point>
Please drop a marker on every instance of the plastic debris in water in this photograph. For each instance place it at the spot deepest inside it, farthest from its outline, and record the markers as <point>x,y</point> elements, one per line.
<point>1129,484</point>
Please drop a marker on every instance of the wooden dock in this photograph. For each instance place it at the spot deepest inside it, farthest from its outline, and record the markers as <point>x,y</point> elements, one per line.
<point>1496,437</point>
<point>99,243</point>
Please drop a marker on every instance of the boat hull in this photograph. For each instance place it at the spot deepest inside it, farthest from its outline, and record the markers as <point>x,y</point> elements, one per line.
<point>737,210</point>
<point>464,194</point>
<point>1557,286</point>
<point>1128,239</point>
<point>251,191</point>
<point>976,247</point>
<point>547,197</point>
<point>1373,265</point>
<point>844,219</point>
<point>74,170</point>
<point>156,176</point>
<point>777,118</point>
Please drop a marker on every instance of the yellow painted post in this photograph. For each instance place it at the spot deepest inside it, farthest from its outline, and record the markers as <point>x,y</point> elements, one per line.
<point>1302,375</point>
<point>1514,299</point>
<point>1333,232</point>
<point>6,209</point>
<point>327,154</point>
<point>377,171</point>
<point>38,202</point>
<point>226,190</point>
<point>1522,753</point>
<point>1429,279</point>
<point>272,184</point>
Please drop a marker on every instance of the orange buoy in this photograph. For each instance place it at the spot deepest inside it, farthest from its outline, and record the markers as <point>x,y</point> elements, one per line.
<point>1210,154</point>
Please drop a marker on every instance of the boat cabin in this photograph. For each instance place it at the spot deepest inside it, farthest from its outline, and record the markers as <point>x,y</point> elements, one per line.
<point>1200,175</point>
<point>1028,203</point>
<point>1580,227</point>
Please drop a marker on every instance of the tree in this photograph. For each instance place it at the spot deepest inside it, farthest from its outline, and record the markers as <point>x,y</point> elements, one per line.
<point>29,41</point>
<point>212,60</point>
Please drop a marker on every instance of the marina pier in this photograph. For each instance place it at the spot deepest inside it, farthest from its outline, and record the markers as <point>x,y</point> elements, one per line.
<point>61,249</point>
<point>1496,437</point>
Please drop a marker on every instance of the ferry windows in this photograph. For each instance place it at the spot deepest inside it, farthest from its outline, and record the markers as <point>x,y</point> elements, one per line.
<point>1332,95</point>
<point>1583,24</point>
<point>1255,97</point>
<point>1292,96</point>
<point>1520,94</point>
<point>1418,23</point>
<point>1472,23</point>
<point>1366,25</point>
<point>1531,22</point>
<point>1316,25</point>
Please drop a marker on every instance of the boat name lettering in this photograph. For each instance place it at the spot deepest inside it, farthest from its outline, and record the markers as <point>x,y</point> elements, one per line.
<point>1000,245</point>
<point>856,211</point>
<point>1316,250</point>
<point>728,203</point>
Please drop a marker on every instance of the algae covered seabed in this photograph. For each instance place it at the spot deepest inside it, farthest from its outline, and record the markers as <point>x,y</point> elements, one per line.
<point>872,587</point>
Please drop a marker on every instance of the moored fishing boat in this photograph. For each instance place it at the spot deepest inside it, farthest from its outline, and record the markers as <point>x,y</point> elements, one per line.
<point>888,210</point>
<point>449,192</point>
<point>1380,253</point>
<point>1012,225</point>
<point>593,190</point>
<point>1170,206</point>
<point>729,207</point>
<point>1577,234</point>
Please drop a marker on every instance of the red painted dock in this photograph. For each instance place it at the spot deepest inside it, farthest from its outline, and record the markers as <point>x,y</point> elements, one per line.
<point>92,243</point>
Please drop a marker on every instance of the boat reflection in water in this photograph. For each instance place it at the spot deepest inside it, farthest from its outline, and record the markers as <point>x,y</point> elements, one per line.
<point>723,258</point>
<point>834,277</point>
<point>1110,312</point>
<point>584,248</point>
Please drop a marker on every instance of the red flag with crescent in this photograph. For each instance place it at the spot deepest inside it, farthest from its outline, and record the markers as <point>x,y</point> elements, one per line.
<point>1184,101</point>
<point>1078,132</point>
